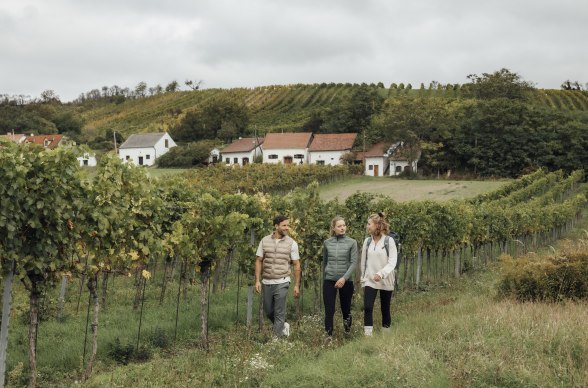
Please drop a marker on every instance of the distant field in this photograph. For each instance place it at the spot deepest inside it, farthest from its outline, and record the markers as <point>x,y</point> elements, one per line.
<point>158,172</point>
<point>405,190</point>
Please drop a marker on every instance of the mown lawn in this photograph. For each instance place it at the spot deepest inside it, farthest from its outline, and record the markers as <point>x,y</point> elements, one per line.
<point>405,190</point>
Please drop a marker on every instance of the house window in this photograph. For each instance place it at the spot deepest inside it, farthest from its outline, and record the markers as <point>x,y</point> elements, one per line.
<point>272,156</point>
<point>298,156</point>
<point>398,169</point>
<point>228,160</point>
<point>128,157</point>
<point>85,162</point>
<point>46,143</point>
<point>320,162</point>
<point>236,160</point>
<point>166,143</point>
<point>147,156</point>
<point>245,161</point>
<point>371,167</point>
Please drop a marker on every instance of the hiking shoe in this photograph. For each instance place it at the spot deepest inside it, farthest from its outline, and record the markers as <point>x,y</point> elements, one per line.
<point>347,324</point>
<point>286,329</point>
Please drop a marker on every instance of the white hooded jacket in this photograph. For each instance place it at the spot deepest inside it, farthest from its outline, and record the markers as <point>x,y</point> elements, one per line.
<point>378,263</point>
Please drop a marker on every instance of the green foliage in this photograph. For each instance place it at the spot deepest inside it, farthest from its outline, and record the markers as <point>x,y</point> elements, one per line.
<point>187,155</point>
<point>551,279</point>
<point>126,353</point>
<point>500,84</point>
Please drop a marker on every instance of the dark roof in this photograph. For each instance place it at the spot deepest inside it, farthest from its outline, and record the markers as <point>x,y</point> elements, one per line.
<point>287,140</point>
<point>53,140</point>
<point>332,142</point>
<point>245,144</point>
<point>142,140</point>
<point>377,150</point>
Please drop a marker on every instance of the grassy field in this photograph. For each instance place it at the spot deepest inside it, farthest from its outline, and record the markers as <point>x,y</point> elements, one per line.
<point>405,190</point>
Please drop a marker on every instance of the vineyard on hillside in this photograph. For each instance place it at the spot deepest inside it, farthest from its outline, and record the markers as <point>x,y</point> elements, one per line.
<point>277,107</point>
<point>144,263</point>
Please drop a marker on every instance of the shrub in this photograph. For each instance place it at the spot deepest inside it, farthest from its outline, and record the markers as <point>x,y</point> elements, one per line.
<point>553,279</point>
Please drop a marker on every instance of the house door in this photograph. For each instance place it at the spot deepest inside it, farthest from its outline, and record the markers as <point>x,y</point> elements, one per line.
<point>376,170</point>
<point>287,160</point>
<point>140,160</point>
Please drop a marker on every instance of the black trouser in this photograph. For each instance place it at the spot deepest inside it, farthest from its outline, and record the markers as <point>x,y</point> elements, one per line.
<point>329,297</point>
<point>369,297</point>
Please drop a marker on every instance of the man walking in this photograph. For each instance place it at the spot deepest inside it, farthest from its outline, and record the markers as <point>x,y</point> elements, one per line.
<point>272,272</point>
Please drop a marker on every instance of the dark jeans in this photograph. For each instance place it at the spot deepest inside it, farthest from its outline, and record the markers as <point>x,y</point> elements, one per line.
<point>329,297</point>
<point>369,298</point>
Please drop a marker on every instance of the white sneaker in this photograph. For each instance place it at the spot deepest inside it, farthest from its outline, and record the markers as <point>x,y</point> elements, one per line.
<point>286,329</point>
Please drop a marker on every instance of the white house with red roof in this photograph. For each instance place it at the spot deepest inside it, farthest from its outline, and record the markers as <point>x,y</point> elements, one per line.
<point>327,149</point>
<point>144,148</point>
<point>242,151</point>
<point>403,158</point>
<point>376,160</point>
<point>287,148</point>
<point>381,160</point>
<point>47,141</point>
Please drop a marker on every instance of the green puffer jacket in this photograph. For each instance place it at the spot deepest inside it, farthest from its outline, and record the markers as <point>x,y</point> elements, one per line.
<point>339,257</point>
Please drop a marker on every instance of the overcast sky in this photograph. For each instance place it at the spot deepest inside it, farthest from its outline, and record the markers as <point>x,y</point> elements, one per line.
<point>73,46</point>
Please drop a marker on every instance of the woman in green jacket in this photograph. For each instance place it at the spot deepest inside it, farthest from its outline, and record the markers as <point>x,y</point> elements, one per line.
<point>339,262</point>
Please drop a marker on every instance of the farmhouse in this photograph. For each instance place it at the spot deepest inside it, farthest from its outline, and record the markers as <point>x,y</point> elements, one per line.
<point>144,148</point>
<point>327,149</point>
<point>286,148</point>
<point>403,158</point>
<point>376,160</point>
<point>47,141</point>
<point>242,151</point>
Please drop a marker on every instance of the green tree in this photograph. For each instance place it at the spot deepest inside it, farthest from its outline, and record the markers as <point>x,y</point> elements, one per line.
<point>500,84</point>
<point>354,113</point>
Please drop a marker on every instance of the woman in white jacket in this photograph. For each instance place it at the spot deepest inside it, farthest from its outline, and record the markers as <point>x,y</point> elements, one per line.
<point>377,271</point>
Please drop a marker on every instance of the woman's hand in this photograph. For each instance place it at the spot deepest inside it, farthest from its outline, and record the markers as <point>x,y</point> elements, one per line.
<point>340,283</point>
<point>377,278</point>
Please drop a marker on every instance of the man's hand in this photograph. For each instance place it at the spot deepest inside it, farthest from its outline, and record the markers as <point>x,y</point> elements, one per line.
<point>296,291</point>
<point>258,287</point>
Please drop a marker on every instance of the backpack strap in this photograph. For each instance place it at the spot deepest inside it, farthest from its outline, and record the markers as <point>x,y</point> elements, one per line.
<point>367,248</point>
<point>387,246</point>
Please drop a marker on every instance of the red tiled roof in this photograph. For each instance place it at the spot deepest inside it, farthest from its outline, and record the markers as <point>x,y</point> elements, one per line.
<point>377,150</point>
<point>245,144</point>
<point>287,140</point>
<point>332,142</point>
<point>40,139</point>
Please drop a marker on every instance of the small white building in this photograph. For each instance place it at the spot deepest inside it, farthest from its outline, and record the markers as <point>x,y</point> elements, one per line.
<point>327,149</point>
<point>287,148</point>
<point>87,160</point>
<point>243,151</point>
<point>376,161</point>
<point>215,156</point>
<point>144,148</point>
<point>403,158</point>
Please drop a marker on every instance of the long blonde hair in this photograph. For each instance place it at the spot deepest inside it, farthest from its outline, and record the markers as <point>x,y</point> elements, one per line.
<point>334,222</point>
<point>379,219</point>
